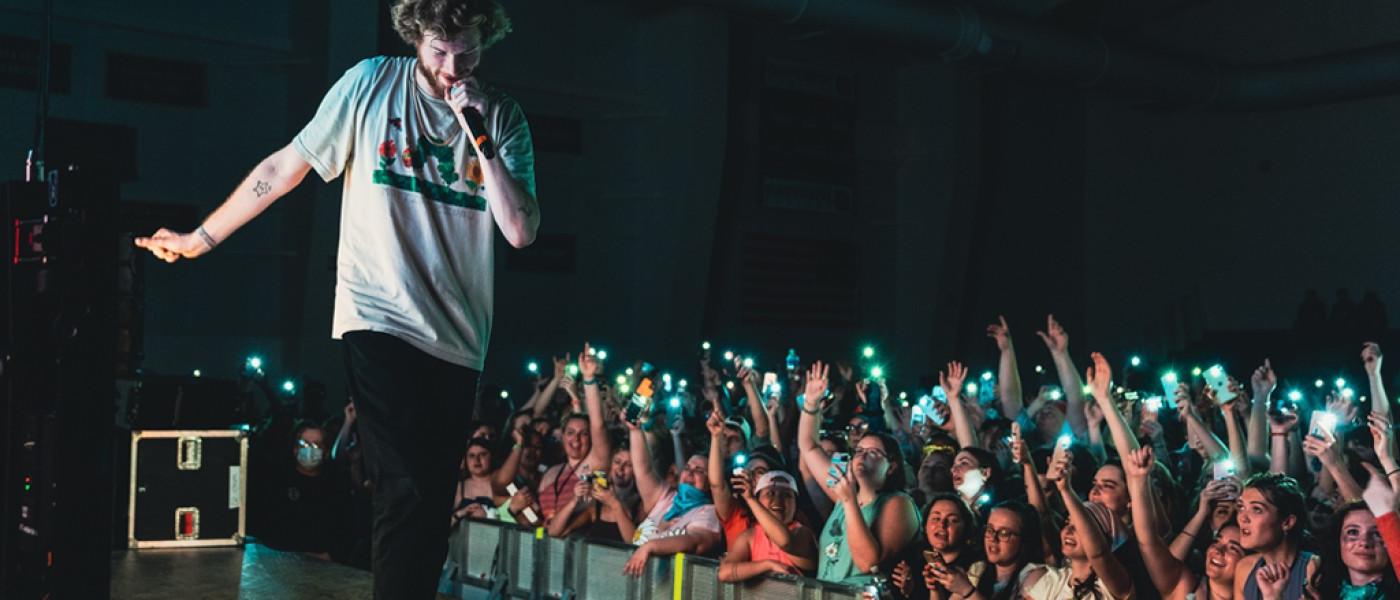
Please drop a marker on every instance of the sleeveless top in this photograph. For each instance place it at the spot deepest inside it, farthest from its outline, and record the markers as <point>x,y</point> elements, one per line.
<point>598,529</point>
<point>1292,590</point>
<point>762,548</point>
<point>835,564</point>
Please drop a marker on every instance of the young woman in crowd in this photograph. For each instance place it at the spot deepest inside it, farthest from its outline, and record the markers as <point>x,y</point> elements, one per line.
<point>779,544</point>
<point>873,518</point>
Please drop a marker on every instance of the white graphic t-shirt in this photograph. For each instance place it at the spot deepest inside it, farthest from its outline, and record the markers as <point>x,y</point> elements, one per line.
<point>416,234</point>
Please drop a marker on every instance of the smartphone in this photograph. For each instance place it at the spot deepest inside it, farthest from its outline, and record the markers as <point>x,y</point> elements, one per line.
<point>841,461</point>
<point>1323,425</point>
<point>529,513</point>
<point>931,557</point>
<point>1224,469</point>
<point>1220,382</point>
<point>1064,442</point>
<point>770,384</point>
<point>1015,431</point>
<point>916,415</point>
<point>1169,384</point>
<point>1153,403</point>
<point>640,400</point>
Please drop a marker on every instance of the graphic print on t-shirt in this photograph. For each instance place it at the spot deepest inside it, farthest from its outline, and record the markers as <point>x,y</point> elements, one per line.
<point>415,160</point>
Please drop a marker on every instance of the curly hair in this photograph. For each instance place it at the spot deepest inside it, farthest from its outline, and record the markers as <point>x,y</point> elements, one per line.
<point>449,18</point>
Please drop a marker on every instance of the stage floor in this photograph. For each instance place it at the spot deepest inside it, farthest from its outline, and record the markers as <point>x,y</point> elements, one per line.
<point>253,572</point>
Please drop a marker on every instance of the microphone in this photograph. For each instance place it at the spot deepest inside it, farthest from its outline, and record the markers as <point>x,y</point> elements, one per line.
<point>476,124</point>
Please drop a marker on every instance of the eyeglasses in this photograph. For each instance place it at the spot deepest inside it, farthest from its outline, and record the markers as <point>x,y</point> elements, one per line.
<point>871,453</point>
<point>306,444</point>
<point>1004,535</point>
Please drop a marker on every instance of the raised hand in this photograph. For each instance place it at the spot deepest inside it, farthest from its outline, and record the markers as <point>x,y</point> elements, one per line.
<point>1001,333</point>
<point>1182,400</point>
<point>843,485</point>
<point>1152,428</point>
<point>1378,495</point>
<point>1281,424</point>
<point>1100,378</point>
<point>862,387</point>
<point>1371,358</point>
<point>742,484</point>
<point>1382,436</point>
<point>715,424</point>
<point>1263,381</point>
<point>560,366</point>
<point>1324,448</point>
<point>1061,469</point>
<point>1344,408</point>
<point>1093,414</point>
<point>583,489</point>
<point>1139,463</point>
<point>1054,336</point>
<point>588,365</point>
<point>1018,445</point>
<point>951,380</point>
<point>815,390</point>
<point>1218,490</point>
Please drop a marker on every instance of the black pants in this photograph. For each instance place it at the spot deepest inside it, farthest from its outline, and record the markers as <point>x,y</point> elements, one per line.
<point>412,413</point>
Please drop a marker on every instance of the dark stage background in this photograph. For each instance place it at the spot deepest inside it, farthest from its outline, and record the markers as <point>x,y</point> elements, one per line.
<point>708,173</point>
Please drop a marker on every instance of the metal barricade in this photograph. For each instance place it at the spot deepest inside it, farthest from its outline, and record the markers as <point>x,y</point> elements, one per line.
<point>489,559</point>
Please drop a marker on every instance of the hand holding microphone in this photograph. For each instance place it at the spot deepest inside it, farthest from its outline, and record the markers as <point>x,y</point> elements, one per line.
<point>469,116</point>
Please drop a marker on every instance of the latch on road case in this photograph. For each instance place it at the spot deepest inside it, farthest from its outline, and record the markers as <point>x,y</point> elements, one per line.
<point>191,453</point>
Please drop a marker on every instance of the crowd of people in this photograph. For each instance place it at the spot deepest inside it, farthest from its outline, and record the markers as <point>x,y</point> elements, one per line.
<point>1195,486</point>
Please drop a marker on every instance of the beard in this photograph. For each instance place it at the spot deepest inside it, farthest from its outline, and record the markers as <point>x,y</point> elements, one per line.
<point>435,83</point>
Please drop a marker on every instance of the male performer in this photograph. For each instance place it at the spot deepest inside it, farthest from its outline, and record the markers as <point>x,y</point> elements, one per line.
<point>414,268</point>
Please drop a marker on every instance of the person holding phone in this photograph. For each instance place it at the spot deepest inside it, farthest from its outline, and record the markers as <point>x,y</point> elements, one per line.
<point>603,505</point>
<point>950,540</point>
<point>1087,544</point>
<point>873,519</point>
<point>779,544</point>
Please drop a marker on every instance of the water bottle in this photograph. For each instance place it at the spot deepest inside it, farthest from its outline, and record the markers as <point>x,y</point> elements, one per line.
<point>793,362</point>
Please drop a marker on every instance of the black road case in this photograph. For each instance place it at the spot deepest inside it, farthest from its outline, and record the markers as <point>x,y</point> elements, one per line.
<point>188,488</point>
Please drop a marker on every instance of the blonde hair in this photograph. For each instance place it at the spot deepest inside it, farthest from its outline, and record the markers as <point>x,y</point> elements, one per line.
<point>449,18</point>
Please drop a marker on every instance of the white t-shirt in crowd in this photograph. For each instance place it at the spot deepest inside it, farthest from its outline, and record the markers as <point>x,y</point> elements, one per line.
<point>416,233</point>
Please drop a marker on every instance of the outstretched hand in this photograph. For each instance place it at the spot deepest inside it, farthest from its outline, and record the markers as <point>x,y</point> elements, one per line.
<point>170,246</point>
<point>1001,333</point>
<point>815,390</point>
<point>1054,336</point>
<point>1371,357</point>
<point>1263,381</point>
<point>951,380</point>
<point>1100,378</point>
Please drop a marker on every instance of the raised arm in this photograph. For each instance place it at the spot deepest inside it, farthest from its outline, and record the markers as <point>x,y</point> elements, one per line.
<point>1264,382</point>
<point>511,467</point>
<point>541,401</point>
<point>1096,548</point>
<point>808,425</point>
<point>1236,437</point>
<point>749,379</point>
<point>1326,451</point>
<point>951,381</point>
<point>1008,376</point>
<point>1100,378</point>
<point>342,438</point>
<point>1035,495</point>
<point>1186,409</point>
<point>643,470</point>
<point>1057,340</point>
<point>1281,429</point>
<point>589,369</point>
<point>1166,570</point>
<point>1371,358</point>
<point>271,179</point>
<point>717,473</point>
<point>873,544</point>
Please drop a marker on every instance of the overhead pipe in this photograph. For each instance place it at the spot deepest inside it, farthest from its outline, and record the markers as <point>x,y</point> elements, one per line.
<point>961,32</point>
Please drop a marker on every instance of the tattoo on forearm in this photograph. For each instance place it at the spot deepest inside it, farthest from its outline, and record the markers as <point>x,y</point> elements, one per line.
<point>262,188</point>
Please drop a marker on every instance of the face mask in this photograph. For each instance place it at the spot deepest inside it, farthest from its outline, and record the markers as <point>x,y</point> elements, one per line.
<point>687,497</point>
<point>309,457</point>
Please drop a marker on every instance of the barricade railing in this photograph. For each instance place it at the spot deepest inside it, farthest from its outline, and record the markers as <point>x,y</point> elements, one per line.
<point>489,559</point>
